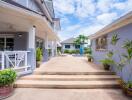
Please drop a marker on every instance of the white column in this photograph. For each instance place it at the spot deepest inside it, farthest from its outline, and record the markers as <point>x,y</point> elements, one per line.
<point>46,41</point>
<point>53,48</point>
<point>31,38</point>
<point>31,46</point>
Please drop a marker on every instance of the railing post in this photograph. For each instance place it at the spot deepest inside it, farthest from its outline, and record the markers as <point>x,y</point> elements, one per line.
<point>25,58</point>
<point>3,61</point>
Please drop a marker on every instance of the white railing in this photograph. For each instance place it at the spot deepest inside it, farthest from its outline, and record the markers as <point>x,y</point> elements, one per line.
<point>14,59</point>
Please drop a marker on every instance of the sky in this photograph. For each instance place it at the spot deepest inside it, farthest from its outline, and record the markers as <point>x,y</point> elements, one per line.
<point>88,16</point>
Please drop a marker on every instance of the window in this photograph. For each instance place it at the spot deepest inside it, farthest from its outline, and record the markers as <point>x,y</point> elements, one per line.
<point>6,43</point>
<point>67,46</point>
<point>101,43</point>
<point>77,46</point>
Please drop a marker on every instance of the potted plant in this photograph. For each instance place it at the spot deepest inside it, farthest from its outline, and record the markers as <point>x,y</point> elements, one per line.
<point>38,57</point>
<point>107,63</point>
<point>90,58</point>
<point>7,78</point>
<point>128,57</point>
<point>129,88</point>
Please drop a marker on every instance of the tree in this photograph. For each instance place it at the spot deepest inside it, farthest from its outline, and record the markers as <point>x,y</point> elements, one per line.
<point>81,40</point>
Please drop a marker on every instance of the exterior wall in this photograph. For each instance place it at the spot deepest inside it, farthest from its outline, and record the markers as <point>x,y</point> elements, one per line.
<point>72,47</point>
<point>20,42</point>
<point>124,34</point>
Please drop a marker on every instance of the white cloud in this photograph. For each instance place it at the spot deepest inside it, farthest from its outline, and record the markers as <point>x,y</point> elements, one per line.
<point>64,6</point>
<point>93,15</point>
<point>85,8</point>
<point>104,5</point>
<point>106,18</point>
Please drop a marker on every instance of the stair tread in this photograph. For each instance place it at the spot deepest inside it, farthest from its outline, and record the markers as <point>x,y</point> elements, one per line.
<point>32,82</point>
<point>69,76</point>
<point>37,72</point>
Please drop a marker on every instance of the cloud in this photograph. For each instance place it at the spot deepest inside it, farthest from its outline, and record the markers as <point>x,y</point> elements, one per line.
<point>106,18</point>
<point>88,16</point>
<point>85,8</point>
<point>64,6</point>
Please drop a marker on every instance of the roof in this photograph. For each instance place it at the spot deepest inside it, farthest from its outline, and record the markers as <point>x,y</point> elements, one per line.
<point>122,21</point>
<point>68,41</point>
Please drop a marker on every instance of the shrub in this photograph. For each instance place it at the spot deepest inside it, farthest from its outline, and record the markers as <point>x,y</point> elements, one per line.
<point>7,77</point>
<point>38,54</point>
<point>87,51</point>
<point>66,51</point>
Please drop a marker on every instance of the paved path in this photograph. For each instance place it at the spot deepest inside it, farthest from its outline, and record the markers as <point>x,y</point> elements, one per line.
<point>67,94</point>
<point>69,64</point>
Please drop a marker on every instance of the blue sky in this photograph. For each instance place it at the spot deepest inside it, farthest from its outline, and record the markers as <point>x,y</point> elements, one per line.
<point>88,16</point>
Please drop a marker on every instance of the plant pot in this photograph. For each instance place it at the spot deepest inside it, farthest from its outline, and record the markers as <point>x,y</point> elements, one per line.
<point>106,67</point>
<point>38,63</point>
<point>124,88</point>
<point>121,82</point>
<point>6,91</point>
<point>129,92</point>
<point>89,60</point>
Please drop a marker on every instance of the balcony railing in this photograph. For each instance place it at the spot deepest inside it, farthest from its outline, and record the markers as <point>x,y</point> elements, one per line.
<point>17,60</point>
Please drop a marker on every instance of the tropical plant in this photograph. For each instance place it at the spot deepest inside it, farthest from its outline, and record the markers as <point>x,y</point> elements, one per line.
<point>114,39</point>
<point>38,54</point>
<point>107,61</point>
<point>90,57</point>
<point>81,39</point>
<point>110,54</point>
<point>7,77</point>
<point>128,46</point>
<point>87,50</point>
<point>129,84</point>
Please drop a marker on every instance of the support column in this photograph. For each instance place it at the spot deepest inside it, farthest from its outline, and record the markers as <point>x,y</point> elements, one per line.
<point>31,47</point>
<point>53,49</point>
<point>45,52</point>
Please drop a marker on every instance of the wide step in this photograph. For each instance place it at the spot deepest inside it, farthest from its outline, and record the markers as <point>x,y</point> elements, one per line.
<point>66,84</point>
<point>69,77</point>
<point>37,72</point>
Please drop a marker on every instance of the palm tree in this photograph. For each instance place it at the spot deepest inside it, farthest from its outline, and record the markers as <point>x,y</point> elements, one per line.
<point>81,40</point>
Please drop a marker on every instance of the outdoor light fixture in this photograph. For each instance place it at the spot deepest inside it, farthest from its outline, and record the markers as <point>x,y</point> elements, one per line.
<point>20,35</point>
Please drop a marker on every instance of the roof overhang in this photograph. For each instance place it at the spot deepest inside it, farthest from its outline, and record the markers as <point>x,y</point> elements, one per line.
<point>122,21</point>
<point>35,19</point>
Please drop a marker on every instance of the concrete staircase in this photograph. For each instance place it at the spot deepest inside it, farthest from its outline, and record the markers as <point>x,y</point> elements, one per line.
<point>69,80</point>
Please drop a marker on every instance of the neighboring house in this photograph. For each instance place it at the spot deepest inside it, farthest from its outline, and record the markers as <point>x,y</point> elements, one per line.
<point>69,45</point>
<point>25,25</point>
<point>123,28</point>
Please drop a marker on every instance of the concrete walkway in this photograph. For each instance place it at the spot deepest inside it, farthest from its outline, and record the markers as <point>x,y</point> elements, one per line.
<point>67,94</point>
<point>69,64</point>
<point>66,64</point>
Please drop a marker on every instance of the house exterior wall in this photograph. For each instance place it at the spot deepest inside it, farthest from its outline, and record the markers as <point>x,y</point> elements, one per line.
<point>124,33</point>
<point>72,47</point>
<point>20,42</point>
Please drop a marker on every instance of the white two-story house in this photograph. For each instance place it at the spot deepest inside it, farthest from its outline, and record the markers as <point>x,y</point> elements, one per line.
<point>25,25</point>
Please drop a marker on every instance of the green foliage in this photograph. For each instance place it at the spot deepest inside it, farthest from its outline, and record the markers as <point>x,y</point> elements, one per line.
<point>66,51</point>
<point>110,54</point>
<point>38,54</point>
<point>107,61</point>
<point>87,50</point>
<point>7,77</point>
<point>80,39</point>
<point>128,46</point>
<point>90,56</point>
<point>114,39</point>
<point>129,84</point>
<point>72,51</point>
